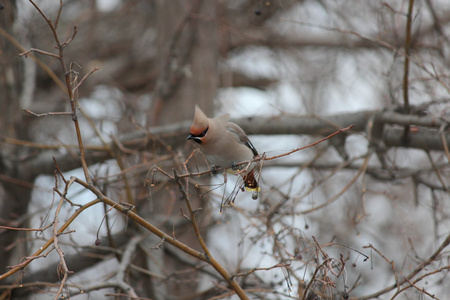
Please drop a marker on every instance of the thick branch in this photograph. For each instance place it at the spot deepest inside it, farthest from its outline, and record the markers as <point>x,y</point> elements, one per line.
<point>426,136</point>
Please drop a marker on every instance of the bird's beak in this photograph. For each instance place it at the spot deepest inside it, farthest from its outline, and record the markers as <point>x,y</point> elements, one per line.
<point>196,139</point>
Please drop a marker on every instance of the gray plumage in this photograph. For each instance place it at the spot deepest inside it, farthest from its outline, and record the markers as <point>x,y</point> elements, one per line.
<point>224,144</point>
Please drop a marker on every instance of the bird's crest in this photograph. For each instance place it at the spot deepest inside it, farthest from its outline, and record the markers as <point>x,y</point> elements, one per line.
<point>200,123</point>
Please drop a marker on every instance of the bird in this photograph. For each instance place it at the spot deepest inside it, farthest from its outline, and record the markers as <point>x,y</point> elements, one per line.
<point>225,145</point>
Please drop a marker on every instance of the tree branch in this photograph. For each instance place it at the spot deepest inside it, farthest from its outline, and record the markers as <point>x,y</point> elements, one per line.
<point>426,137</point>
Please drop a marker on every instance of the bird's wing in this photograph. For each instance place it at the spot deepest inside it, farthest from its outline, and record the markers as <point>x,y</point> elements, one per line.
<point>241,136</point>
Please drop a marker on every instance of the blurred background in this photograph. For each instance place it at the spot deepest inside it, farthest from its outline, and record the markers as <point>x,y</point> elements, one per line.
<point>363,215</point>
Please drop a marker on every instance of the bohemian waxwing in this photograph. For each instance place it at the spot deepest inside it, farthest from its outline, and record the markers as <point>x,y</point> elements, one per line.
<point>225,144</point>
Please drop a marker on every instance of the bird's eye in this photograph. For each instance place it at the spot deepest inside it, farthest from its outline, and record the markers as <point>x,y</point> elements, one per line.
<point>204,132</point>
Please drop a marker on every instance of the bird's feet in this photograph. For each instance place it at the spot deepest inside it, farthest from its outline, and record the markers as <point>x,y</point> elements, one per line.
<point>235,167</point>
<point>215,169</point>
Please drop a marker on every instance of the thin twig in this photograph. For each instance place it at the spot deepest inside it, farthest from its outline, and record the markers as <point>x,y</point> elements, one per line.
<point>444,140</point>
<point>236,287</point>
<point>305,293</point>
<point>280,265</point>
<point>40,52</point>
<point>43,66</point>
<point>421,290</point>
<point>70,92</point>
<point>75,89</point>
<point>38,253</point>
<point>343,190</point>
<point>436,171</point>
<point>418,268</point>
<point>27,229</point>
<point>62,268</point>
<point>47,113</point>
<point>310,145</point>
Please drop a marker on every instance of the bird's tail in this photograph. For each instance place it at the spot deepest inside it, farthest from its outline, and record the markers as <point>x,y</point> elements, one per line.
<point>251,184</point>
